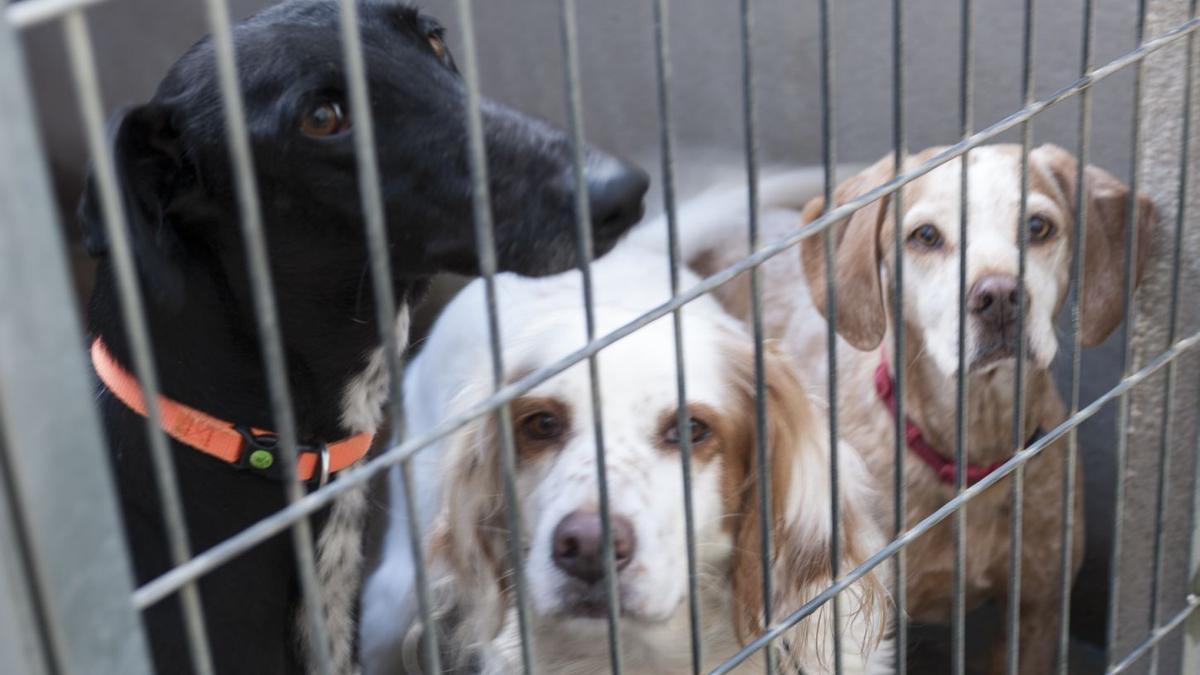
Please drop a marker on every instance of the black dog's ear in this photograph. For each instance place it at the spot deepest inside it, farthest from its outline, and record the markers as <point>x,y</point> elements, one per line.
<point>150,169</point>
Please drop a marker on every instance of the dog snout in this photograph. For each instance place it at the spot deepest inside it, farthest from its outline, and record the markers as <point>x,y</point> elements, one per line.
<point>615,190</point>
<point>579,544</point>
<point>993,300</point>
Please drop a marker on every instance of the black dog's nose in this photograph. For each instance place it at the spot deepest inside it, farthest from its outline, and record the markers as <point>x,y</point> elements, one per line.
<point>615,191</point>
<point>993,299</point>
<point>578,546</point>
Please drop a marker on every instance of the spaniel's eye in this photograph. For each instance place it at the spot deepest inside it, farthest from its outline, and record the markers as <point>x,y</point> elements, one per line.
<point>542,426</point>
<point>1040,229</point>
<point>437,44</point>
<point>324,118</point>
<point>927,236</point>
<point>698,431</point>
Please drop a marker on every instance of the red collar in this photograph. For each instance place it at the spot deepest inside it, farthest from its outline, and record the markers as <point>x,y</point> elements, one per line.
<point>942,467</point>
<point>245,448</point>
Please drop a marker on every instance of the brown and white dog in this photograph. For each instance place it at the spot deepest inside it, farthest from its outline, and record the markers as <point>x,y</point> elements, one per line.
<point>864,270</point>
<point>542,321</point>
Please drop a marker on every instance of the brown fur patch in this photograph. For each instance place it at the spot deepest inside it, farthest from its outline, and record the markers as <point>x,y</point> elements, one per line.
<point>788,424</point>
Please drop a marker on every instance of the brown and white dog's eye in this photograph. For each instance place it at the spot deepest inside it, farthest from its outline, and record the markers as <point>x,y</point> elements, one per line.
<point>698,430</point>
<point>325,118</point>
<point>541,426</point>
<point>1040,229</point>
<point>926,235</point>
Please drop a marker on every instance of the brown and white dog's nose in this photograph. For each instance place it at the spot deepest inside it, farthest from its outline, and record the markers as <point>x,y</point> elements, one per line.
<point>993,300</point>
<point>579,544</point>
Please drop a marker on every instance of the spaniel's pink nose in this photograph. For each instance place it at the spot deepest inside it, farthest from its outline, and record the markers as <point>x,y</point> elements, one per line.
<point>579,544</point>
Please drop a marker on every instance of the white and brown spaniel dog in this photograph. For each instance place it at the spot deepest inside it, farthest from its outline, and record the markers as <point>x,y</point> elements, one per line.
<point>468,546</point>
<point>864,264</point>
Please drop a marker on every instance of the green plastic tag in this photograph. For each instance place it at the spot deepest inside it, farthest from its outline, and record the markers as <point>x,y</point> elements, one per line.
<point>261,459</point>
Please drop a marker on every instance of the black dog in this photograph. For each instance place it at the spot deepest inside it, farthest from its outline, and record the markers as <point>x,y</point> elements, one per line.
<point>177,186</point>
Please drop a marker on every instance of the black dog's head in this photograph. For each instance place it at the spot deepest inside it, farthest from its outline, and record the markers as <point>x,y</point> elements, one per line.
<point>178,183</point>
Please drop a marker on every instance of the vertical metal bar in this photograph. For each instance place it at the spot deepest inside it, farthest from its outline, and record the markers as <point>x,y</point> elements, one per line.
<point>1078,246</point>
<point>763,449</point>
<point>958,638</point>
<point>583,233</point>
<point>898,501</point>
<point>663,72</point>
<point>88,624</point>
<point>486,250</point>
<point>385,302</point>
<point>133,316</point>
<point>1164,454</point>
<point>267,322</point>
<point>829,159</point>
<point>23,638</point>
<point>1018,422</point>
<point>1122,449</point>
<point>1191,640</point>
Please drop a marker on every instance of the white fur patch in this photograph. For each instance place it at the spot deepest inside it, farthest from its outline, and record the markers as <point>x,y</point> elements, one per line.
<point>339,569</point>
<point>339,546</point>
<point>362,401</point>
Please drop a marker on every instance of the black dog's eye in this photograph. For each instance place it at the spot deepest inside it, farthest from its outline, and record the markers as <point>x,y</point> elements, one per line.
<point>927,236</point>
<point>542,426</point>
<point>437,44</point>
<point>325,118</point>
<point>698,430</point>
<point>1040,229</point>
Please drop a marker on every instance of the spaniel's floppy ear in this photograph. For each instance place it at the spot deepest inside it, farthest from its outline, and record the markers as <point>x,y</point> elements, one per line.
<point>1106,228</point>
<point>152,171</point>
<point>861,319</point>
<point>798,448</point>
<point>468,548</point>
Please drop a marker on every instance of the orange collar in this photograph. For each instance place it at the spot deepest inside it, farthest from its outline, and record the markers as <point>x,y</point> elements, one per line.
<point>245,448</point>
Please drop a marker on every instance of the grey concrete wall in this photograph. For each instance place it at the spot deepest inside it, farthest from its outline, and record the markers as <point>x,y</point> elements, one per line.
<point>521,65</point>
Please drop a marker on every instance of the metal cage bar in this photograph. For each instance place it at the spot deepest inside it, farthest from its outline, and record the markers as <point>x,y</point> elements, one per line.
<point>22,634</point>
<point>958,637</point>
<point>829,162</point>
<point>385,302</point>
<point>33,12</point>
<point>899,150</point>
<point>666,148</point>
<point>83,67</point>
<point>1157,635</point>
<point>85,623</point>
<point>583,236</point>
<point>1013,630</point>
<point>1191,646</point>
<point>1078,247</point>
<point>486,247</point>
<point>1123,403</point>
<point>266,316</point>
<point>762,447</point>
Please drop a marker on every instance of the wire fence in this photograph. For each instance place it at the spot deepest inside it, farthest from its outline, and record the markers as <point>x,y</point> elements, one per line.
<point>64,635</point>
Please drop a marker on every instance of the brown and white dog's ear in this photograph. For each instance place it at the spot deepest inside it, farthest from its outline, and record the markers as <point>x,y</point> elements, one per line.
<point>468,547</point>
<point>861,319</point>
<point>800,565</point>
<point>1106,230</point>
